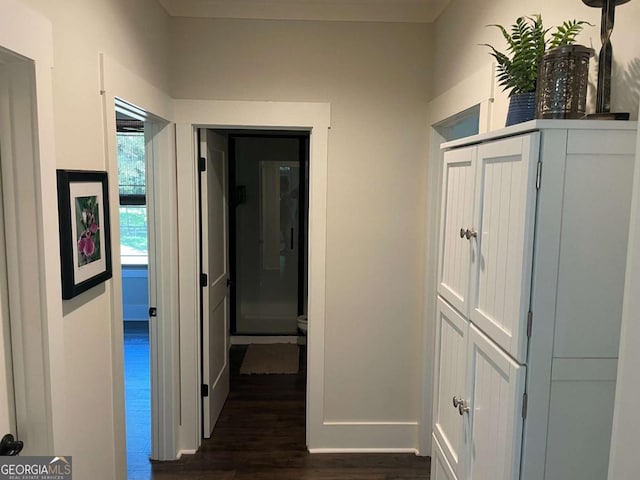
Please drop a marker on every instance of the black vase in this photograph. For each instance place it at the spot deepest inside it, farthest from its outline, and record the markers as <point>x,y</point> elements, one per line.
<point>522,108</point>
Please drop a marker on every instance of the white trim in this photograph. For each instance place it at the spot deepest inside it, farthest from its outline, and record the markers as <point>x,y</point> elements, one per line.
<point>579,145</point>
<point>477,89</point>
<point>189,437</point>
<point>368,424</point>
<point>185,452</point>
<point>624,462</point>
<point>344,435</point>
<point>404,11</point>
<point>313,117</point>
<point>30,34</point>
<point>120,84</point>
<point>363,450</point>
<point>267,339</point>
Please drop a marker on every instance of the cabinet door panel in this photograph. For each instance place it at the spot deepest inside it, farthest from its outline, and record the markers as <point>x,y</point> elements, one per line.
<point>449,380</point>
<point>505,198</point>
<point>440,468</point>
<point>457,213</point>
<point>496,386</point>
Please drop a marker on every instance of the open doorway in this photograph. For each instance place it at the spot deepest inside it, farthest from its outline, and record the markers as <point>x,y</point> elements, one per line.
<point>268,218</point>
<point>253,211</point>
<point>134,258</point>
<point>303,117</point>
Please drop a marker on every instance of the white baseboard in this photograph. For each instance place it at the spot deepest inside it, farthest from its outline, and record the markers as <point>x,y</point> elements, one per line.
<point>369,437</point>
<point>186,452</point>
<point>363,450</point>
<point>249,339</point>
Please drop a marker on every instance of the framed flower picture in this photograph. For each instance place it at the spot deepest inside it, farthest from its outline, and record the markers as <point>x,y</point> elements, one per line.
<point>85,238</point>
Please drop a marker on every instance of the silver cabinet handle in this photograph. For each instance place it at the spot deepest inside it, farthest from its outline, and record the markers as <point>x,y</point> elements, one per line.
<point>470,233</point>
<point>463,407</point>
<point>463,232</point>
<point>456,401</point>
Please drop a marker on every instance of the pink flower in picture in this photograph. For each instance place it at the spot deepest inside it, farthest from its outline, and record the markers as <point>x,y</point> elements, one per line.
<point>81,244</point>
<point>89,247</point>
<point>88,228</point>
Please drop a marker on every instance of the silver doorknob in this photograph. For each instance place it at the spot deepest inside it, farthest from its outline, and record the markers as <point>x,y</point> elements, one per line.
<point>463,232</point>
<point>463,407</point>
<point>456,401</point>
<point>470,233</point>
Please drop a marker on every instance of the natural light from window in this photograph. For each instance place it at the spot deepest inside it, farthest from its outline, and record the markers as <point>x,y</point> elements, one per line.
<point>133,208</point>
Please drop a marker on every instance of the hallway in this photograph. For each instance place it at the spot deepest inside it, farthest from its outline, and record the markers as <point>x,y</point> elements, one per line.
<point>261,435</point>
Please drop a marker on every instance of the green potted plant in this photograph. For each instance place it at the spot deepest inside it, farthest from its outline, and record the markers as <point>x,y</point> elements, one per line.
<point>517,67</point>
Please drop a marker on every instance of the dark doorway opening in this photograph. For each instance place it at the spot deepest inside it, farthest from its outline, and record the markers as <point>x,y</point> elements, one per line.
<point>268,227</point>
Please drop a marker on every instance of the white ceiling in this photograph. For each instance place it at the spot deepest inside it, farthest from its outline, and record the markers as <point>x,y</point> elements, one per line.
<point>414,11</point>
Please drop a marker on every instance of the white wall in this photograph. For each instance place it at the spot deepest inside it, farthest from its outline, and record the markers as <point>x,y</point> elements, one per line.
<point>462,27</point>
<point>134,34</point>
<point>376,77</point>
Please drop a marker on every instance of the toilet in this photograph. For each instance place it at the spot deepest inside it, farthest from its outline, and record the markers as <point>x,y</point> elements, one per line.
<point>302,324</point>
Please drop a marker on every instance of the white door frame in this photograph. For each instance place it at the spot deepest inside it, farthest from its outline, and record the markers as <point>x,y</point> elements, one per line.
<point>155,106</point>
<point>29,160</point>
<point>312,117</point>
<point>477,89</point>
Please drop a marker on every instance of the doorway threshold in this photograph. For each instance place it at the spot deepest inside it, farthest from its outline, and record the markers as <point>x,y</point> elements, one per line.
<point>266,339</point>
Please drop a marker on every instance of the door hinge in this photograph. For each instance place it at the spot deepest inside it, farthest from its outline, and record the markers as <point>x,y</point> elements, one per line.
<point>202,164</point>
<point>204,390</point>
<point>153,312</point>
<point>525,404</point>
<point>539,175</point>
<point>204,280</point>
<point>529,323</point>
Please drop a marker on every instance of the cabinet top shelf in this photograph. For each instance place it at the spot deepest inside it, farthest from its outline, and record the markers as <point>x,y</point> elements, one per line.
<point>535,125</point>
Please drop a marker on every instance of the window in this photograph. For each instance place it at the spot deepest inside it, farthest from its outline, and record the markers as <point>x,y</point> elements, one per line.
<point>133,205</point>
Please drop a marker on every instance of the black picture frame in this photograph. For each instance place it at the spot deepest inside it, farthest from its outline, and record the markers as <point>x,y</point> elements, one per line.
<point>85,233</point>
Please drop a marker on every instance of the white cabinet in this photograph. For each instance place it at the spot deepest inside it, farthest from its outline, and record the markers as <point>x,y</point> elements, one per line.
<point>454,264</point>
<point>504,213</point>
<point>534,222</point>
<point>450,383</point>
<point>440,467</point>
<point>488,207</point>
<point>477,401</point>
<point>495,388</point>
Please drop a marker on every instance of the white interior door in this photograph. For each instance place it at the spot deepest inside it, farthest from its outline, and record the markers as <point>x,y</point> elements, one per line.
<point>19,383</point>
<point>505,202</point>
<point>457,216</point>
<point>215,294</point>
<point>496,387</point>
<point>449,384</point>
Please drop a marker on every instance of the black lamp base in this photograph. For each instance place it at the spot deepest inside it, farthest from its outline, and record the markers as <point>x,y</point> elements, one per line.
<point>607,116</point>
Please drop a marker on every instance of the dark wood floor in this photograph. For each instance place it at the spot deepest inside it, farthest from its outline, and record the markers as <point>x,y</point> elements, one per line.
<point>260,435</point>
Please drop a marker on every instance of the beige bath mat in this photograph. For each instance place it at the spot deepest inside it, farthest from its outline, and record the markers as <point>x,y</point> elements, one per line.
<point>271,358</point>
